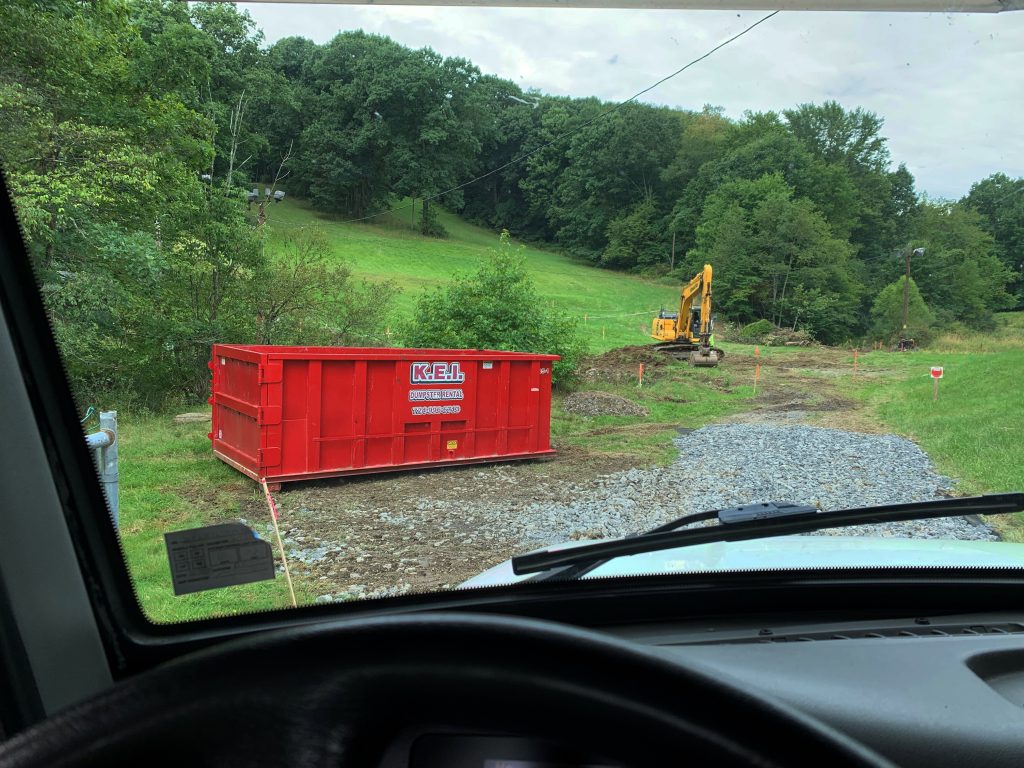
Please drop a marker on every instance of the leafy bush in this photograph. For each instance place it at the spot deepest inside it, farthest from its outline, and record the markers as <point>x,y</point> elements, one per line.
<point>496,308</point>
<point>301,297</point>
<point>756,332</point>
<point>887,314</point>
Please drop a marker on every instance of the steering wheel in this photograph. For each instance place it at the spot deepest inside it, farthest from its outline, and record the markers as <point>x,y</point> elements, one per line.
<point>339,693</point>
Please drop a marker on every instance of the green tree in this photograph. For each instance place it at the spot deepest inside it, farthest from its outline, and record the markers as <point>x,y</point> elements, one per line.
<point>300,296</point>
<point>775,257</point>
<point>852,140</point>
<point>1000,201</point>
<point>836,135</point>
<point>960,275</point>
<point>496,308</point>
<point>498,200</point>
<point>627,152</point>
<point>887,313</point>
<point>636,240</point>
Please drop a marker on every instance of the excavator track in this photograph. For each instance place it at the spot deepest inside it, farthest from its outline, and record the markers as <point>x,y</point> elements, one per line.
<point>691,353</point>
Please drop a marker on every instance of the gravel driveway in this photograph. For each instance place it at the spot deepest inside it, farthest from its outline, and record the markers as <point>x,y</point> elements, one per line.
<point>390,534</point>
<point>732,464</point>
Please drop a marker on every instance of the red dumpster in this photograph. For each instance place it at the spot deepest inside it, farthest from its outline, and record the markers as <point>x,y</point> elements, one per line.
<point>296,413</point>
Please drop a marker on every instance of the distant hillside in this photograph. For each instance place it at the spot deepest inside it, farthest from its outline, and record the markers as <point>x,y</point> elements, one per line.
<point>389,248</point>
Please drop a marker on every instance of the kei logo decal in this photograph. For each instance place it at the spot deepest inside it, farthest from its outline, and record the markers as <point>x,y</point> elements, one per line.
<point>436,373</point>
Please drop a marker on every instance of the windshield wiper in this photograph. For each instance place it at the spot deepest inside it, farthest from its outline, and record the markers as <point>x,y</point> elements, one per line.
<point>754,521</point>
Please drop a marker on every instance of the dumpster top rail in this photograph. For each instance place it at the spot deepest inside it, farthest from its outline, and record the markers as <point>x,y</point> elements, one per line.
<point>244,351</point>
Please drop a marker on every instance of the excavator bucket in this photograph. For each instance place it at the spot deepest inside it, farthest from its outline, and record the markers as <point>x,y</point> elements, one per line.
<point>704,357</point>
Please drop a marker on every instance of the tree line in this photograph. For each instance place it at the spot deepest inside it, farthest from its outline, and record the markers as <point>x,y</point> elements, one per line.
<point>130,131</point>
<point>804,213</point>
<point>121,145</point>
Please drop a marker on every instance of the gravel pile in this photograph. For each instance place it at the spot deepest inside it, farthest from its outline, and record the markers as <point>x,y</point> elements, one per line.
<point>601,404</point>
<point>729,465</point>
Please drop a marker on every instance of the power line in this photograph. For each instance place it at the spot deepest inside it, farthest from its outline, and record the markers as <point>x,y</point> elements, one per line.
<point>577,129</point>
<point>1011,194</point>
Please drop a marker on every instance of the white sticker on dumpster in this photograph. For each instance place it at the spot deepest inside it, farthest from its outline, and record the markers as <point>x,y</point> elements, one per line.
<point>435,410</point>
<point>419,395</point>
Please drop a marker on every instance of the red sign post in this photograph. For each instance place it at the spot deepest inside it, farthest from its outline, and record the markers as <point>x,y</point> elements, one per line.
<point>757,367</point>
<point>936,373</point>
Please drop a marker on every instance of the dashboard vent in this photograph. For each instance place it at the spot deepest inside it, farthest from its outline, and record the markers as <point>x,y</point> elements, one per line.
<point>915,630</point>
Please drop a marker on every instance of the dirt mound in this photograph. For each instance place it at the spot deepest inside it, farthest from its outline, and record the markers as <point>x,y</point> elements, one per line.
<point>764,333</point>
<point>601,404</point>
<point>785,337</point>
<point>623,364</point>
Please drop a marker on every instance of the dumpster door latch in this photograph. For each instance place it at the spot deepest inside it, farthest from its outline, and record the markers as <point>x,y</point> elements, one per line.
<point>269,457</point>
<point>269,415</point>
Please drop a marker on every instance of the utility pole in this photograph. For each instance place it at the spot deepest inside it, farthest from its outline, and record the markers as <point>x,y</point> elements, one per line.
<point>906,285</point>
<point>672,265</point>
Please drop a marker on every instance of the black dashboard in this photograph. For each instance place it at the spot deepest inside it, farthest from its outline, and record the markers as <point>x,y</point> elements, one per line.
<point>921,691</point>
<point>477,750</point>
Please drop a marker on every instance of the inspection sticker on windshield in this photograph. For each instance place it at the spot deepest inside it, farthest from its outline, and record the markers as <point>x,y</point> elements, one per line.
<point>217,556</point>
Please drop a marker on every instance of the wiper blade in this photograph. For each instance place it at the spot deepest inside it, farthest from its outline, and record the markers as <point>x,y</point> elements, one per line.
<point>757,521</point>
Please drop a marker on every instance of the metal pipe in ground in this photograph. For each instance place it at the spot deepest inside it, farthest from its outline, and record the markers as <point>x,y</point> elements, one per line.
<point>104,447</point>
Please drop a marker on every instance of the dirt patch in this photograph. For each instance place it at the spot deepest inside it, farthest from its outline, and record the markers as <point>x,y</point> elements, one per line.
<point>601,404</point>
<point>803,387</point>
<point>618,365</point>
<point>626,429</point>
<point>220,497</point>
<point>418,531</point>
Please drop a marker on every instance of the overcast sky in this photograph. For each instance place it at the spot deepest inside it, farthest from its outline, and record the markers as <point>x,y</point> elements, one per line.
<point>949,87</point>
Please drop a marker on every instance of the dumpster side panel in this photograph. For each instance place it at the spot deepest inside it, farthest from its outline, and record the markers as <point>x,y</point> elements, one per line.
<point>235,408</point>
<point>489,394</point>
<point>338,422</point>
<point>294,417</point>
<point>544,406</point>
<point>292,413</point>
<point>522,405</point>
<point>380,394</point>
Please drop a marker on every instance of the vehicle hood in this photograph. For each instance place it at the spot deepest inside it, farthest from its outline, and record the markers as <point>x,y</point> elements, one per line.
<point>790,552</point>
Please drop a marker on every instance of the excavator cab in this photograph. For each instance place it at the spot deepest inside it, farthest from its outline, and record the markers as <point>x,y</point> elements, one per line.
<point>695,322</point>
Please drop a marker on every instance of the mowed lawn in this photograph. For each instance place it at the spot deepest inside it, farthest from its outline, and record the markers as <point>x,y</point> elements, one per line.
<point>615,307</point>
<point>170,481</point>
<point>974,432</point>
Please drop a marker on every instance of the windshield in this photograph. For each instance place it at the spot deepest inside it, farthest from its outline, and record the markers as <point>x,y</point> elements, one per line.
<point>359,302</point>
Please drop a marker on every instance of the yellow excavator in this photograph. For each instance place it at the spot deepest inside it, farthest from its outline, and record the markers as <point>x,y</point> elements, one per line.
<point>687,334</point>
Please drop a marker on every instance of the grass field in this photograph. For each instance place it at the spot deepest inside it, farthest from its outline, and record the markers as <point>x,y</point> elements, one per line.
<point>170,481</point>
<point>975,431</point>
<point>617,306</point>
